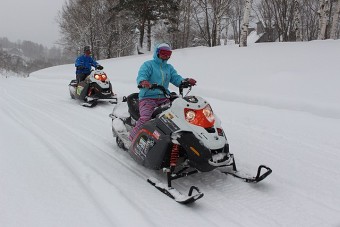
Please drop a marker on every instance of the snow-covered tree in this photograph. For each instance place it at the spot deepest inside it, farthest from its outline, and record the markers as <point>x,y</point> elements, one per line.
<point>207,19</point>
<point>335,21</point>
<point>245,23</point>
<point>324,10</point>
<point>297,21</point>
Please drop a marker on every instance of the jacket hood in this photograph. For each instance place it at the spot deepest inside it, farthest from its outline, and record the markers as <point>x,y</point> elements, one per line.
<point>155,57</point>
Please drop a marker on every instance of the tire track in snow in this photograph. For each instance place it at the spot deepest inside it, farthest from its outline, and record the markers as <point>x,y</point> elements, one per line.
<point>55,148</point>
<point>47,142</point>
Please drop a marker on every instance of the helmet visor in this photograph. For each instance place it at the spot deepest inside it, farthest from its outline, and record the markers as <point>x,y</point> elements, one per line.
<point>164,54</point>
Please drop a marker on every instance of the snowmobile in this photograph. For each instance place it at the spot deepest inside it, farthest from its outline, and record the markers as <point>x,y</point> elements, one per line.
<point>96,87</point>
<point>184,137</point>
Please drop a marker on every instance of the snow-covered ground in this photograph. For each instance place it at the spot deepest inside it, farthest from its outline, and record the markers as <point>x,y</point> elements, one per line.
<point>279,104</point>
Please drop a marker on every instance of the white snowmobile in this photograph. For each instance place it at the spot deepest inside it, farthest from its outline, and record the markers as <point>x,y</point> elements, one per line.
<point>184,137</point>
<point>96,87</point>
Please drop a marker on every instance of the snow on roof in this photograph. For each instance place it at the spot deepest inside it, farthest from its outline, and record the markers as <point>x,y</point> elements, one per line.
<point>253,37</point>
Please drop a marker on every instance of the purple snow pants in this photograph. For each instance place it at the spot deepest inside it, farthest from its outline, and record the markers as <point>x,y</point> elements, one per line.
<point>146,108</point>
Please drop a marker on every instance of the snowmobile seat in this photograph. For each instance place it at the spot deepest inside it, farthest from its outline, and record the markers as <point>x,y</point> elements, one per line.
<point>133,105</point>
<point>73,83</point>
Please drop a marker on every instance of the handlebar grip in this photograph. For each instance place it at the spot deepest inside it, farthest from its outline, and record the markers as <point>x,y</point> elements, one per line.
<point>153,86</point>
<point>185,84</point>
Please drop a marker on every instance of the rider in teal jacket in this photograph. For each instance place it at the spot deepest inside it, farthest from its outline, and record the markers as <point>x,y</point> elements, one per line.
<point>157,71</point>
<point>160,72</point>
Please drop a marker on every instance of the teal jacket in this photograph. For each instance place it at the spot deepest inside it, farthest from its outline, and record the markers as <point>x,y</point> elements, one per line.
<point>160,72</point>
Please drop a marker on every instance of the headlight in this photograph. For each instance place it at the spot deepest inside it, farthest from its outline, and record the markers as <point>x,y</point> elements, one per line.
<point>190,115</point>
<point>207,111</point>
<point>101,77</point>
<point>202,117</point>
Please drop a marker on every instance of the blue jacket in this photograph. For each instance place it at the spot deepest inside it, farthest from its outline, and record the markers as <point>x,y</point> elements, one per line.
<point>86,62</point>
<point>157,71</point>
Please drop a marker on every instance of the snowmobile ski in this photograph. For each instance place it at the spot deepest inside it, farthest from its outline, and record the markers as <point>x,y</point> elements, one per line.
<point>259,177</point>
<point>90,104</point>
<point>175,194</point>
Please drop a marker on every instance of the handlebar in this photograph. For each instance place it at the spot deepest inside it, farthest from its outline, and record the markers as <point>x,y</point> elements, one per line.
<point>160,87</point>
<point>184,84</point>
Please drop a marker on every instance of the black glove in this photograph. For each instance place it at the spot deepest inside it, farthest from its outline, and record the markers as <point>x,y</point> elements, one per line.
<point>80,67</point>
<point>99,67</point>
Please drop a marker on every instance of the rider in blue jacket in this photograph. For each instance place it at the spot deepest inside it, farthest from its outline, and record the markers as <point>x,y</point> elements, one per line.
<point>160,72</point>
<point>83,64</point>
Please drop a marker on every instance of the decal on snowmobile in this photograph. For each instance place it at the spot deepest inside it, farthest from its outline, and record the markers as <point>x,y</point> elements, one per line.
<point>169,123</point>
<point>143,144</point>
<point>168,115</point>
<point>195,151</point>
<point>79,89</point>
<point>156,134</point>
<point>191,99</point>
